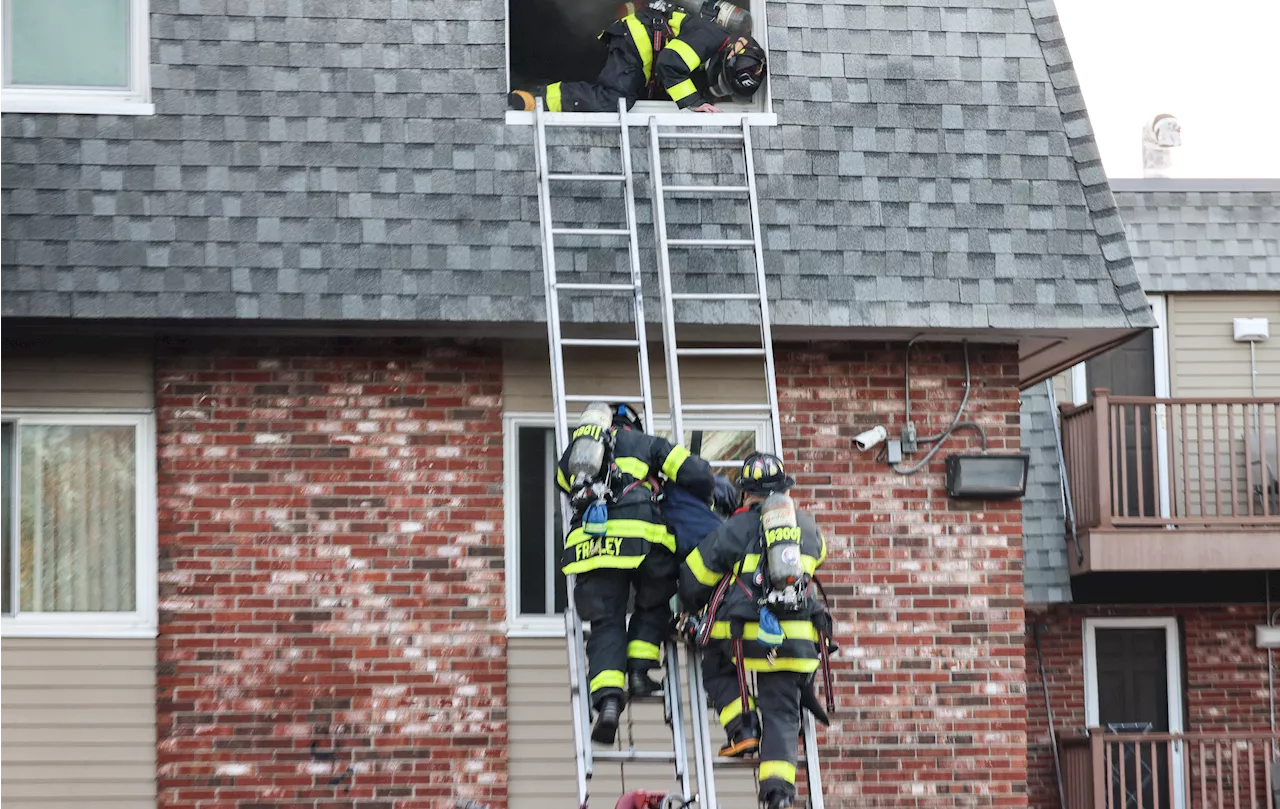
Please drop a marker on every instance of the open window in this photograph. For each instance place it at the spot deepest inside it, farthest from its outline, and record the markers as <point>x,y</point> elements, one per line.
<point>536,595</point>
<point>558,40</point>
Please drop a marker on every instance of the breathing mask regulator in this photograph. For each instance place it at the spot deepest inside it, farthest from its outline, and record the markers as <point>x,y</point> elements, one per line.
<point>589,474</point>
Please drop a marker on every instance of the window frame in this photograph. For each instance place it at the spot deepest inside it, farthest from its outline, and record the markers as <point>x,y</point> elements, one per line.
<point>143,620</point>
<point>757,113</point>
<point>135,100</point>
<point>552,626</point>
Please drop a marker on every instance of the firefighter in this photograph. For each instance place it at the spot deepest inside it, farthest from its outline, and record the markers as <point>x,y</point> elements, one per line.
<point>754,575</point>
<point>691,518</point>
<point>658,51</point>
<point>632,550</point>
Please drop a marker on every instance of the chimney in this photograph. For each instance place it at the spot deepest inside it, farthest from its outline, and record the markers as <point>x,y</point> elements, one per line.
<point>1160,136</point>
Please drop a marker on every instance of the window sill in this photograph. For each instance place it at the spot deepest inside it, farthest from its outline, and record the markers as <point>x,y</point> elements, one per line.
<point>13,102</point>
<point>76,626</point>
<point>643,117</point>
<point>551,626</point>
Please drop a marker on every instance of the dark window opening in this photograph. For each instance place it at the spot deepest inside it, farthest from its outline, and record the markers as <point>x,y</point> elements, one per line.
<point>557,40</point>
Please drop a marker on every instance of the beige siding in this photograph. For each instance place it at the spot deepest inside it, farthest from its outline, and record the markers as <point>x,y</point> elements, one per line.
<point>78,723</point>
<point>1205,361</point>
<point>77,372</point>
<point>527,377</point>
<point>542,771</point>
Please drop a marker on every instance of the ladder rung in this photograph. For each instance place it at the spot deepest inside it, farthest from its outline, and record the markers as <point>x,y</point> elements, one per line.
<point>723,464</point>
<point>720,352</point>
<point>747,763</point>
<point>736,408</point>
<point>701,135</point>
<point>599,397</point>
<point>633,755</point>
<point>589,178</point>
<point>711,242</point>
<point>598,342</point>
<point>599,287</point>
<point>705,189</point>
<point>590,232</point>
<point>715,296</point>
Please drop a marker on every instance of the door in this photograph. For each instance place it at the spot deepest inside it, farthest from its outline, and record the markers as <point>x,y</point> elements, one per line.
<point>1130,370</point>
<point>1131,674</point>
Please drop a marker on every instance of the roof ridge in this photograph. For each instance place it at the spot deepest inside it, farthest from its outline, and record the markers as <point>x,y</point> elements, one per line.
<point>1098,198</point>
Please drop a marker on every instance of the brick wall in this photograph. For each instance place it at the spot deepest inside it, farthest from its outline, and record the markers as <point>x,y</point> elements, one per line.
<point>927,591</point>
<point>331,574</point>
<point>1225,676</point>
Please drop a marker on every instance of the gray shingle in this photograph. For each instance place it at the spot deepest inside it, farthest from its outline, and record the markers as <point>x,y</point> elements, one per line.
<point>298,146</point>
<point>1046,572</point>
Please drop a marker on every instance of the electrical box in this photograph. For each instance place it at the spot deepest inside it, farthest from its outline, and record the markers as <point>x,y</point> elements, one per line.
<point>987,477</point>
<point>1251,329</point>
<point>1268,637</point>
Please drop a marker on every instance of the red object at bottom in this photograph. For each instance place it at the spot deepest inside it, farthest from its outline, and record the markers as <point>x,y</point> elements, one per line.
<point>640,800</point>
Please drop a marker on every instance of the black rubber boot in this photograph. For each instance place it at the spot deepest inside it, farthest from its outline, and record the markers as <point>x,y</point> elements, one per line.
<point>777,800</point>
<point>639,684</point>
<point>744,738</point>
<point>606,727</point>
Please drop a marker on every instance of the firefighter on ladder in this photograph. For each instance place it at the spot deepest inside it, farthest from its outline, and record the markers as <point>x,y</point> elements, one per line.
<point>618,543</point>
<point>657,51</point>
<point>754,575</point>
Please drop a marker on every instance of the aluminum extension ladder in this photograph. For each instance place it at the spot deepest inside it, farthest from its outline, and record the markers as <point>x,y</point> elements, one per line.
<point>585,754</point>
<point>671,696</point>
<point>674,129</point>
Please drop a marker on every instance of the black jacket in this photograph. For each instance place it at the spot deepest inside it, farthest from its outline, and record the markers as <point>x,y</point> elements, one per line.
<point>634,518</point>
<point>734,549</point>
<point>679,66</point>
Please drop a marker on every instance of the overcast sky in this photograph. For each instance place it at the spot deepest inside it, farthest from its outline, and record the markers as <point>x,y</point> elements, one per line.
<point>1211,63</point>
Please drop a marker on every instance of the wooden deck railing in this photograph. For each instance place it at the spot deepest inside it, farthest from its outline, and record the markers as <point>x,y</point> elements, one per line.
<point>1171,771</point>
<point>1143,462</point>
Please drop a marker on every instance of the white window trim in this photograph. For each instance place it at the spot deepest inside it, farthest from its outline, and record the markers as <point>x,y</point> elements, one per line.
<point>1173,672</point>
<point>552,626</point>
<point>136,100</point>
<point>143,621</point>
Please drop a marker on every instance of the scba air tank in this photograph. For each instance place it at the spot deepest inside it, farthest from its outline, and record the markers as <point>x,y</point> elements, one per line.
<point>586,453</point>
<point>782,542</point>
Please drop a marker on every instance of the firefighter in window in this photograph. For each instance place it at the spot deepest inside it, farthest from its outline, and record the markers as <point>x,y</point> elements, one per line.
<point>659,51</point>
<point>753,580</point>
<point>617,543</point>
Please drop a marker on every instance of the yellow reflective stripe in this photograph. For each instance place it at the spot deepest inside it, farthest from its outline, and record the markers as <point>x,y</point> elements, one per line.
<point>750,562</point>
<point>809,564</point>
<point>608,679</point>
<point>783,770</point>
<point>560,479</point>
<point>794,630</point>
<point>634,467</point>
<point>553,98</point>
<point>734,709</point>
<point>822,557</point>
<point>688,54</point>
<point>700,571</point>
<point>625,529</point>
<point>602,563</point>
<point>677,20</point>
<point>797,664</point>
<point>678,454</point>
<point>681,91</point>
<point>643,650</point>
<point>640,36</point>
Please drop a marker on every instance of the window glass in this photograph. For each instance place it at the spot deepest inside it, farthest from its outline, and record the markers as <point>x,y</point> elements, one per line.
<point>67,43</point>
<point>78,518</point>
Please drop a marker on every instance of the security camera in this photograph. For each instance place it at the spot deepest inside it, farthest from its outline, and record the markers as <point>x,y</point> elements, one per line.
<point>866,440</point>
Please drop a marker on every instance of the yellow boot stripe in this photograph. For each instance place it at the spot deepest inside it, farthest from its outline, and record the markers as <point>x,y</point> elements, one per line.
<point>783,770</point>
<point>608,679</point>
<point>553,98</point>
<point>734,709</point>
<point>643,650</point>
<point>678,454</point>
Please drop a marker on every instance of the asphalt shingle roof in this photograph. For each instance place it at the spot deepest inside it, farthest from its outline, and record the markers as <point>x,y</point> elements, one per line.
<point>1046,577</point>
<point>1188,240</point>
<point>933,167</point>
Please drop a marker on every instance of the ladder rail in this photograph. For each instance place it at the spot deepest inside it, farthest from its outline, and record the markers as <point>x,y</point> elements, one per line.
<point>766,331</point>
<point>664,284</point>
